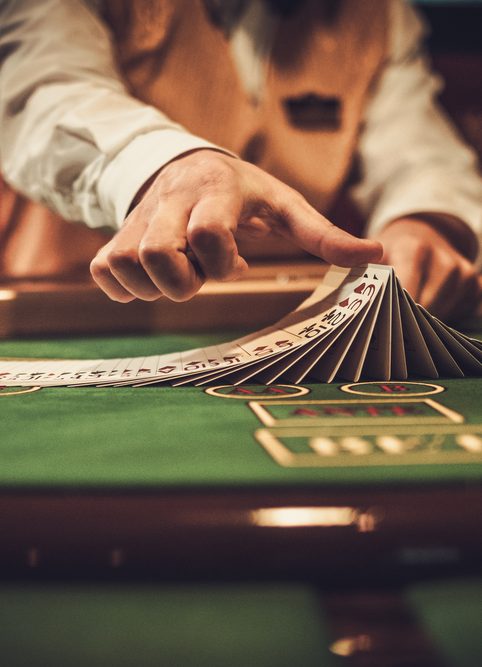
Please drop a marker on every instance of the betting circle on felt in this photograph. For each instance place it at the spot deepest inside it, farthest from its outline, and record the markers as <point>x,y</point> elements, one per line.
<point>390,389</point>
<point>257,393</point>
<point>14,391</point>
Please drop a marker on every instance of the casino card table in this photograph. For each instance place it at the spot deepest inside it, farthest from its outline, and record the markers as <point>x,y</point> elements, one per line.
<point>327,524</point>
<point>246,481</point>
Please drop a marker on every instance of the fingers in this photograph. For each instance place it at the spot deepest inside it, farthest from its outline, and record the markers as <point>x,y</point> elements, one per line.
<point>117,268</point>
<point>411,262</point>
<point>210,235</point>
<point>116,262</point>
<point>180,232</point>
<point>147,259</point>
<point>172,253</point>
<point>315,234</point>
<point>163,252</point>
<point>451,287</point>
<point>341,248</point>
<point>122,258</point>
<point>435,274</point>
<point>100,271</point>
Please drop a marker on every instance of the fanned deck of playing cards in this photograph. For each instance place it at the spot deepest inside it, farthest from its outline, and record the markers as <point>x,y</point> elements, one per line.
<point>358,324</point>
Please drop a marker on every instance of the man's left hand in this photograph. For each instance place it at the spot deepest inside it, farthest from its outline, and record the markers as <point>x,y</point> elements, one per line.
<point>435,274</point>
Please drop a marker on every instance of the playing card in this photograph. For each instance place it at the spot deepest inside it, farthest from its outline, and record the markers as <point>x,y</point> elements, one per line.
<point>358,323</point>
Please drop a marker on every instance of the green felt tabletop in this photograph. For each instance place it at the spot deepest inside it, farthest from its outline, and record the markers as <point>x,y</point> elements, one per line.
<point>103,624</point>
<point>107,625</point>
<point>451,613</point>
<point>163,436</point>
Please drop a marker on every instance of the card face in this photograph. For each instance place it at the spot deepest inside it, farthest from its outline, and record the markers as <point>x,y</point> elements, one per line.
<point>313,321</point>
<point>349,349</point>
<point>300,364</point>
<point>353,359</point>
<point>358,323</point>
<point>45,373</point>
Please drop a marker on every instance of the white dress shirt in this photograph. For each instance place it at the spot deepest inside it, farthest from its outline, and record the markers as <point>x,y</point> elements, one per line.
<point>73,138</point>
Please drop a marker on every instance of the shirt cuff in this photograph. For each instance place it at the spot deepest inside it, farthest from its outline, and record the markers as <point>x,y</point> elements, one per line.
<point>136,163</point>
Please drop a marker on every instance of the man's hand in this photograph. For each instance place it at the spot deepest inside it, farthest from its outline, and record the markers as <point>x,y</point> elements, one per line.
<point>183,229</point>
<point>430,268</point>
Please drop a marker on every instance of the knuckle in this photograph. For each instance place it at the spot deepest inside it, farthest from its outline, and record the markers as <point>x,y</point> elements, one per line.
<point>162,261</point>
<point>99,269</point>
<point>144,289</point>
<point>206,234</point>
<point>122,258</point>
<point>156,254</point>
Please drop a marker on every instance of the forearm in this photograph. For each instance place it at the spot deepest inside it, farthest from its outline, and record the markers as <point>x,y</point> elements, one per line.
<point>70,135</point>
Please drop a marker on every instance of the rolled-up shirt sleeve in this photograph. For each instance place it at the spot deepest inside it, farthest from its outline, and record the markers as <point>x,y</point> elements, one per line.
<point>71,136</point>
<point>411,157</point>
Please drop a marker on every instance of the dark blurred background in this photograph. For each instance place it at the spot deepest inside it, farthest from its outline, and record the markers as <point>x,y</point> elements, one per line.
<point>455,44</point>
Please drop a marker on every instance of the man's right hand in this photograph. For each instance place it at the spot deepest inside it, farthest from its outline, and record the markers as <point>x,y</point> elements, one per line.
<point>183,229</point>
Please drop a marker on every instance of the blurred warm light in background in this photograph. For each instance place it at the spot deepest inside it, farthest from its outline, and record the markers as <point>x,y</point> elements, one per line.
<point>297,517</point>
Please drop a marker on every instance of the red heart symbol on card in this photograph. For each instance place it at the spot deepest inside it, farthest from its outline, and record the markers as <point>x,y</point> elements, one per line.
<point>344,303</point>
<point>360,288</point>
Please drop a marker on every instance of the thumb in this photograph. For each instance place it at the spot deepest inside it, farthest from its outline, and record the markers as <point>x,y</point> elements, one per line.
<point>314,233</point>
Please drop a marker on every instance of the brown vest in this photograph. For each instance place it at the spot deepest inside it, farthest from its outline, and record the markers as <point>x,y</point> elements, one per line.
<point>304,130</point>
